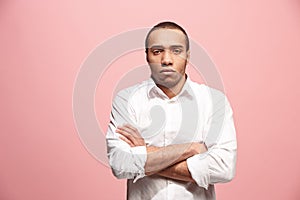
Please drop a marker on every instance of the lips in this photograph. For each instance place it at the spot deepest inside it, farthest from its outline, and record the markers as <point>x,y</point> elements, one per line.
<point>167,70</point>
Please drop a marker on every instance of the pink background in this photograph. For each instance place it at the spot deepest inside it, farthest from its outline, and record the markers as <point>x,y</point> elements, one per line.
<point>254,44</point>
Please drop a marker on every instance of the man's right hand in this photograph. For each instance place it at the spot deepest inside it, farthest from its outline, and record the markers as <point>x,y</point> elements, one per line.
<point>159,158</point>
<point>130,135</point>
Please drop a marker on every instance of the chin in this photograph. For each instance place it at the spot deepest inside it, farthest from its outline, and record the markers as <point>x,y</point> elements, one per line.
<point>169,84</point>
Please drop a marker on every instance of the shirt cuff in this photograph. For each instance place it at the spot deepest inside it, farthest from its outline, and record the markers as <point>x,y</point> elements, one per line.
<point>140,157</point>
<point>198,165</point>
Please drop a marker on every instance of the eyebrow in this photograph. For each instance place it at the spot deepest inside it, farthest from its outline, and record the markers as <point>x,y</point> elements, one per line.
<point>162,47</point>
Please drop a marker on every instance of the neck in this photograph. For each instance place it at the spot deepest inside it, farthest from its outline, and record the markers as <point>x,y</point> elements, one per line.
<point>172,92</point>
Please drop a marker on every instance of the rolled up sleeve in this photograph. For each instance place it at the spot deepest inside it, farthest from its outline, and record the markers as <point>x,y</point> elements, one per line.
<point>217,165</point>
<point>126,162</point>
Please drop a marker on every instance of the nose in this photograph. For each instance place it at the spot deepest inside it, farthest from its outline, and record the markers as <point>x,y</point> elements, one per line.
<point>166,59</point>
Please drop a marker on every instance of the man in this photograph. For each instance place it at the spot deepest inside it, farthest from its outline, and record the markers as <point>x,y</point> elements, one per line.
<point>169,136</point>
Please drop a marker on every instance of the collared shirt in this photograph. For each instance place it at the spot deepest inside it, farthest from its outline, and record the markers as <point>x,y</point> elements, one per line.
<point>197,114</point>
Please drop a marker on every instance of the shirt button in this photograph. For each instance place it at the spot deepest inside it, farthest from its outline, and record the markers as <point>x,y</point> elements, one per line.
<point>171,101</point>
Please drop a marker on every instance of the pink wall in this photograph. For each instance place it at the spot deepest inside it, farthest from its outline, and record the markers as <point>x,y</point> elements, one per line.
<point>254,44</point>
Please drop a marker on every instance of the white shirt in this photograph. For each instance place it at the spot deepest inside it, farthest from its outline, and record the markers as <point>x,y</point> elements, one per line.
<point>197,114</point>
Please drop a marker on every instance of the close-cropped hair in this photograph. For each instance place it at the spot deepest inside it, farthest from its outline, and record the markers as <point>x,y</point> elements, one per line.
<point>167,25</point>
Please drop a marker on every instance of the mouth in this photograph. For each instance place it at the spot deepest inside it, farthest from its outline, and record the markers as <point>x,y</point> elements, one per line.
<point>167,71</point>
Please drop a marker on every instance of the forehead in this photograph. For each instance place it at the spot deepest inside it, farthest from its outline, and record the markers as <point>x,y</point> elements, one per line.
<point>166,37</point>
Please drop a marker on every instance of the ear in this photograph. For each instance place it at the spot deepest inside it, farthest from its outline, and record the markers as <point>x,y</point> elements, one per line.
<point>188,55</point>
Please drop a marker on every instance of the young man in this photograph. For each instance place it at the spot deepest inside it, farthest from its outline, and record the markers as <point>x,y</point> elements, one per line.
<point>157,136</point>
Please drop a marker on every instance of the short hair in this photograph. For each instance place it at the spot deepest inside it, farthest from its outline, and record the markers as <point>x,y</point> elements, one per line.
<point>167,25</point>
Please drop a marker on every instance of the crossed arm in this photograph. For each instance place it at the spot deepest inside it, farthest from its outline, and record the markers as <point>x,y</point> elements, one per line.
<point>168,161</point>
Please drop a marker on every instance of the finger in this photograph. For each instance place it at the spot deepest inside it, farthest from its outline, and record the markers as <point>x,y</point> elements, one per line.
<point>126,134</point>
<point>134,130</point>
<point>136,141</point>
<point>134,134</point>
<point>126,140</point>
<point>129,130</point>
<point>126,128</point>
<point>131,127</point>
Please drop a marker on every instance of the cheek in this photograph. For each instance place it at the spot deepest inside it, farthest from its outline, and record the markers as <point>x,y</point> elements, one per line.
<point>152,59</point>
<point>154,67</point>
<point>181,65</point>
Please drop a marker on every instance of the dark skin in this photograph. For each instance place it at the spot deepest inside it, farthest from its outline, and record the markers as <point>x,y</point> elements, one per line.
<point>169,161</point>
<point>167,56</point>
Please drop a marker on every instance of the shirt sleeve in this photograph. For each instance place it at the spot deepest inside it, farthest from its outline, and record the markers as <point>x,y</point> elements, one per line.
<point>126,162</point>
<point>217,165</point>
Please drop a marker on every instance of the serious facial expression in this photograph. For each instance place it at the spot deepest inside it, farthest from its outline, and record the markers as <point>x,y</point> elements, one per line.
<point>167,57</point>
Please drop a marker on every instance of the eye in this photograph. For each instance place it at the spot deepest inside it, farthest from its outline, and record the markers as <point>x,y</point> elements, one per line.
<point>156,51</point>
<point>177,51</point>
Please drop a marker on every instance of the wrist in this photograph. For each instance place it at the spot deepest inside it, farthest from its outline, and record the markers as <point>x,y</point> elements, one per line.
<point>151,149</point>
<point>197,148</point>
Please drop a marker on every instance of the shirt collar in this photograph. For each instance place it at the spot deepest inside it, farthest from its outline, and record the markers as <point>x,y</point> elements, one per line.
<point>154,91</point>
